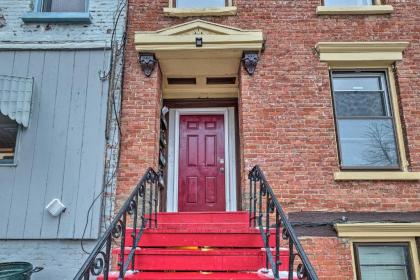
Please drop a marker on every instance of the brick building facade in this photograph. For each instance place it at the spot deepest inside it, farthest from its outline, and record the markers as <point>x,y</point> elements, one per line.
<point>67,148</point>
<point>285,116</point>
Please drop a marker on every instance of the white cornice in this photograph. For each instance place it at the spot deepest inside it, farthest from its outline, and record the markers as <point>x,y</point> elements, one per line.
<point>378,230</point>
<point>360,51</point>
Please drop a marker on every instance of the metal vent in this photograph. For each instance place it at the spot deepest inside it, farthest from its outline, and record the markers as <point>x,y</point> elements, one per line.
<point>182,81</point>
<point>221,81</point>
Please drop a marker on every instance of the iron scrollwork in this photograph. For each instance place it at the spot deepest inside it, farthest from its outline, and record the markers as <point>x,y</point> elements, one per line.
<point>98,265</point>
<point>98,262</point>
<point>262,208</point>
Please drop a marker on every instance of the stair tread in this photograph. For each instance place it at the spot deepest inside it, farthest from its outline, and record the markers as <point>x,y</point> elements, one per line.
<point>206,252</point>
<point>192,275</point>
<point>203,217</point>
<point>201,236</point>
<point>202,229</point>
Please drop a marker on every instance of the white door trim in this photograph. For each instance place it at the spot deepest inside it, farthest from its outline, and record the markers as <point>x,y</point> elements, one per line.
<point>230,154</point>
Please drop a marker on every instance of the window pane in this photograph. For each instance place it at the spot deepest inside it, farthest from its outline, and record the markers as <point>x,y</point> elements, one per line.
<point>359,104</point>
<point>384,273</point>
<point>64,6</point>
<point>8,134</point>
<point>383,262</point>
<point>363,83</point>
<point>347,2</point>
<point>200,4</point>
<point>367,143</point>
<point>382,255</point>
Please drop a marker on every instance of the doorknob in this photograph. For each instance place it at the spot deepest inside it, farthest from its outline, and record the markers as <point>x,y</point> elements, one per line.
<point>222,170</point>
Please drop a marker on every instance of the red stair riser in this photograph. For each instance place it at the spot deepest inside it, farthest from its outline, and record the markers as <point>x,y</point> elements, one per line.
<point>247,238</point>
<point>191,260</point>
<point>203,218</point>
<point>202,227</point>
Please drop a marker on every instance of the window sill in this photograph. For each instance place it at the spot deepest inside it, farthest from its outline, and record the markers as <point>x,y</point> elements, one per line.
<point>355,10</point>
<point>8,165</point>
<point>73,17</point>
<point>376,176</point>
<point>177,12</point>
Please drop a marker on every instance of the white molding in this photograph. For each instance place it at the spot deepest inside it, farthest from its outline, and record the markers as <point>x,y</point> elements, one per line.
<point>55,46</point>
<point>378,230</point>
<point>355,10</point>
<point>360,51</point>
<point>232,160</point>
<point>170,196</point>
<point>195,12</point>
<point>173,154</point>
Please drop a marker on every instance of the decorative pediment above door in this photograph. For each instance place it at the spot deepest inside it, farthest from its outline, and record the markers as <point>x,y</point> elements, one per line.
<point>199,53</point>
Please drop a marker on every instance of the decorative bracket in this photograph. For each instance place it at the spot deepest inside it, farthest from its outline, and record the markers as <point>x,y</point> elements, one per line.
<point>250,60</point>
<point>147,62</point>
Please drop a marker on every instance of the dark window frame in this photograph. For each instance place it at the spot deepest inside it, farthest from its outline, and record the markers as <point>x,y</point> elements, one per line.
<point>175,6</point>
<point>387,90</point>
<point>408,255</point>
<point>16,148</point>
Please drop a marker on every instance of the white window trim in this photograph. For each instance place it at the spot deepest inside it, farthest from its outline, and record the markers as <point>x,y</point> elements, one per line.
<point>172,11</point>
<point>382,233</point>
<point>171,3</point>
<point>230,154</point>
<point>376,9</point>
<point>368,55</point>
<point>411,248</point>
<point>384,80</point>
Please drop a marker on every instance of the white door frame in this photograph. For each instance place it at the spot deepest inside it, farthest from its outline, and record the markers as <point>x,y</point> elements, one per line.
<point>230,154</point>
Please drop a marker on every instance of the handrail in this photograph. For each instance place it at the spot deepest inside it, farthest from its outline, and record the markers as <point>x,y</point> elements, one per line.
<point>146,191</point>
<point>304,269</point>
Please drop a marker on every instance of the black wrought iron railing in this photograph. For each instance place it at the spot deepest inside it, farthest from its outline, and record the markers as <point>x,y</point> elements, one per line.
<point>138,213</point>
<point>265,206</point>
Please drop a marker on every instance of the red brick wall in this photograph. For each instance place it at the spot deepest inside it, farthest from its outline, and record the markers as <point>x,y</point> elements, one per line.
<point>290,91</point>
<point>331,257</point>
<point>285,109</point>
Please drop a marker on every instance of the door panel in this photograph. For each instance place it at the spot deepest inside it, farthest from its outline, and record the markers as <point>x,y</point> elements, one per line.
<point>201,185</point>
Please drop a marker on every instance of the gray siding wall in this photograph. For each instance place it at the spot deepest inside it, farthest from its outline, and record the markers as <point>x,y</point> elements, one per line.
<point>61,153</point>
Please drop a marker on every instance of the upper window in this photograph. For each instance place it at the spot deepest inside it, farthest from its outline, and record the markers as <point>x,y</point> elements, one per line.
<point>200,4</point>
<point>383,261</point>
<point>8,136</point>
<point>59,11</point>
<point>364,119</point>
<point>348,2</point>
<point>63,6</point>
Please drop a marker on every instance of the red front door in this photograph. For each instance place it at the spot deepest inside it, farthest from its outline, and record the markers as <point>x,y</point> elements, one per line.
<point>201,183</point>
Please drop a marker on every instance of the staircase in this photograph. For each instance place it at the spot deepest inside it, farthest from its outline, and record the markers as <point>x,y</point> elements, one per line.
<point>218,245</point>
<point>141,243</point>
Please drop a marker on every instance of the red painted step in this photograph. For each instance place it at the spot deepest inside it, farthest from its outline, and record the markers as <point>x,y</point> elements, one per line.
<point>201,237</point>
<point>192,276</point>
<point>204,218</point>
<point>202,260</point>
<point>217,245</point>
